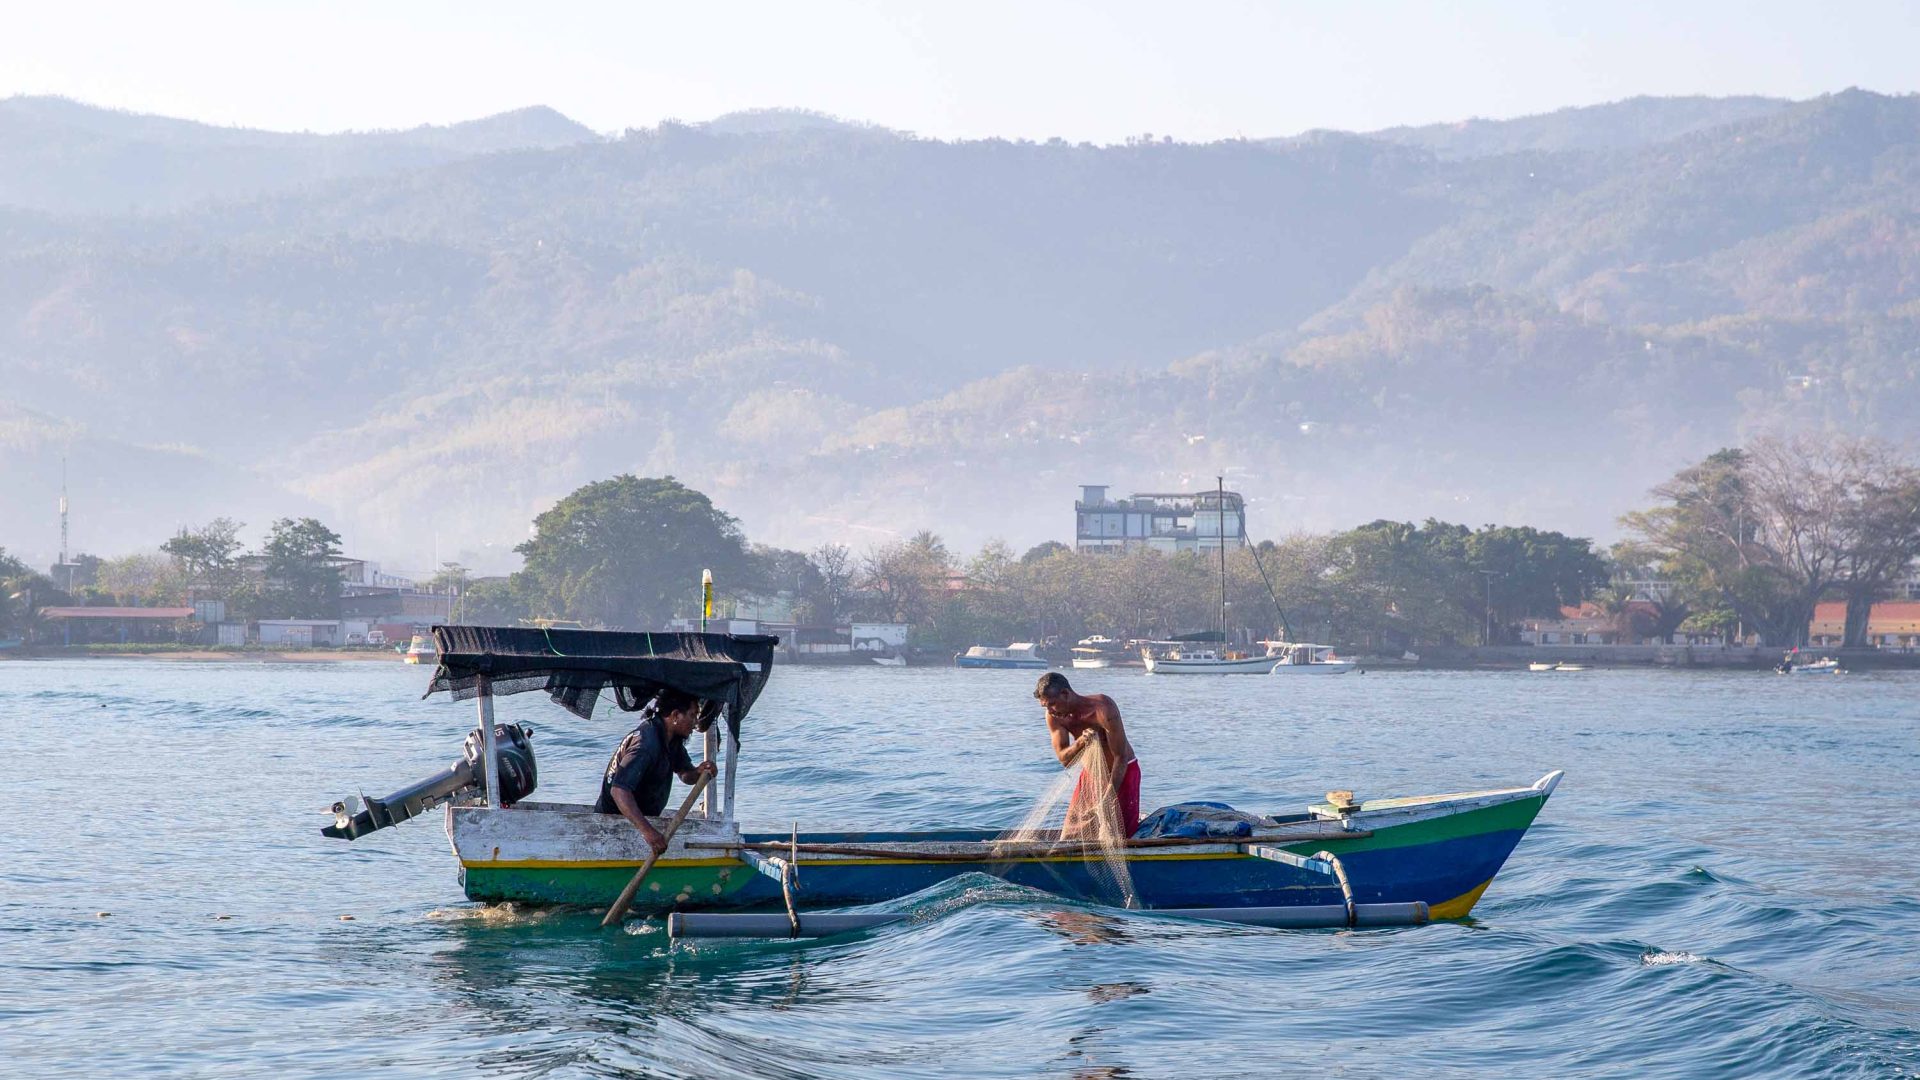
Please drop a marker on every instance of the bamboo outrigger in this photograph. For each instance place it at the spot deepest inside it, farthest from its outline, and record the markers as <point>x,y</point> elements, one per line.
<point>1340,863</point>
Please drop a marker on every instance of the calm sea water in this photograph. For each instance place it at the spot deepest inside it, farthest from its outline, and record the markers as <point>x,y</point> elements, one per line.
<point>1726,884</point>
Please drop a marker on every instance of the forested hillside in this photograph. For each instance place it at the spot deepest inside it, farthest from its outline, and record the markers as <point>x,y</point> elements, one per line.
<point>843,332</point>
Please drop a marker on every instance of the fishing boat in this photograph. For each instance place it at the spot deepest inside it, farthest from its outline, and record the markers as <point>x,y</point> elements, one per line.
<point>420,650</point>
<point>1345,861</point>
<point>1020,654</point>
<point>1097,651</point>
<point>896,660</point>
<point>1305,658</point>
<point>1826,665</point>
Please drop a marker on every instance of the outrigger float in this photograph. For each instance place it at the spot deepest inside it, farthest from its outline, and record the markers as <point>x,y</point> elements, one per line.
<point>1337,863</point>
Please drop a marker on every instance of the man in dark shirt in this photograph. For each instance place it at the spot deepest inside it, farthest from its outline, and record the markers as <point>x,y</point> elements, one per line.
<point>640,774</point>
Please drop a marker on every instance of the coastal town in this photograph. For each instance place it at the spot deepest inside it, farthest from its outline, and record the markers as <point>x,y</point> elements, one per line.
<point>1139,572</point>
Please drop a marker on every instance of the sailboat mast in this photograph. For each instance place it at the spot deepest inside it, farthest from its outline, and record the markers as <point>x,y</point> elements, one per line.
<point>1220,504</point>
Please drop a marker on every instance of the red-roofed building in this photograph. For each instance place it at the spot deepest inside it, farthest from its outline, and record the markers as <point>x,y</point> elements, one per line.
<point>1892,624</point>
<point>1588,624</point>
<point>119,625</point>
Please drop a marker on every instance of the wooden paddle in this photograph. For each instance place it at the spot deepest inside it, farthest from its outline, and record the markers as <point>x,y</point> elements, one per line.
<point>619,907</point>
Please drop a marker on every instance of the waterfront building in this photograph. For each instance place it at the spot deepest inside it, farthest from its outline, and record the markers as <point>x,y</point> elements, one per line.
<point>1166,522</point>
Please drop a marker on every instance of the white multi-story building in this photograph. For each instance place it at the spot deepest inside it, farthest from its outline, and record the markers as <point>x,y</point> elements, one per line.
<point>1201,521</point>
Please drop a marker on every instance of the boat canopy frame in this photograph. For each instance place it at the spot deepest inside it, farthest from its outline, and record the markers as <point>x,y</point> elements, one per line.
<point>727,671</point>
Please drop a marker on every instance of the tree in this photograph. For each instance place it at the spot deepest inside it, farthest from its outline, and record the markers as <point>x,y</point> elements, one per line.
<point>207,558</point>
<point>627,553</point>
<point>1665,590</point>
<point>1045,550</point>
<point>142,580</point>
<point>302,576</point>
<point>489,602</point>
<point>777,571</point>
<point>1767,530</point>
<point>23,592</point>
<point>834,563</point>
<point>1881,530</point>
<point>909,578</point>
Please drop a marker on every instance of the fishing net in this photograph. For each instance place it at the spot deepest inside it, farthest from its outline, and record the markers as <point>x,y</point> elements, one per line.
<point>1093,818</point>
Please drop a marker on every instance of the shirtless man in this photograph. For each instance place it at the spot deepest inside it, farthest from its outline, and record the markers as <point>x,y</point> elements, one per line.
<point>1073,720</point>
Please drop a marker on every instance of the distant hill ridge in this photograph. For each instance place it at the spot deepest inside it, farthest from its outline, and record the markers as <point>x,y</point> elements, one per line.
<point>842,332</point>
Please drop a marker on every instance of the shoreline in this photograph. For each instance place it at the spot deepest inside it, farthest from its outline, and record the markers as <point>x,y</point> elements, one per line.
<point>256,656</point>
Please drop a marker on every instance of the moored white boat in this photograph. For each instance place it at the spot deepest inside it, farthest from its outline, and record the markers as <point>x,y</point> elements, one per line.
<point>1541,665</point>
<point>1188,660</point>
<point>1020,654</point>
<point>1306,658</point>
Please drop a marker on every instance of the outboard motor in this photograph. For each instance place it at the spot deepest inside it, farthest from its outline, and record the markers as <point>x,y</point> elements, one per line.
<point>354,817</point>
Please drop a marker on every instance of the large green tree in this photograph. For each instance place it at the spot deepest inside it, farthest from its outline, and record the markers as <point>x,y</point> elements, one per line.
<point>208,558</point>
<point>301,570</point>
<point>627,553</point>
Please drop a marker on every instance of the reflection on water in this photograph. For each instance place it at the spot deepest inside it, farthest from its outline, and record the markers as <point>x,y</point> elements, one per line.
<point>1666,917</point>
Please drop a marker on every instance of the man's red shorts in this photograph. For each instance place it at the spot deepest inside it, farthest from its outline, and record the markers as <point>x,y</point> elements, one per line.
<point>1129,793</point>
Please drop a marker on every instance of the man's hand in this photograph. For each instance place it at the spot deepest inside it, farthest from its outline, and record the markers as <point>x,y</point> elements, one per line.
<point>707,768</point>
<point>655,839</point>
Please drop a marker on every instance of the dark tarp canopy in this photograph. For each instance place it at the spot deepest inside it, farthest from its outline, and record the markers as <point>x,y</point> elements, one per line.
<point>1200,636</point>
<point>573,666</point>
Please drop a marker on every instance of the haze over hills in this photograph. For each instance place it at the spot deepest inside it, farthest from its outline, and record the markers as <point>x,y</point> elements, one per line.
<point>843,332</point>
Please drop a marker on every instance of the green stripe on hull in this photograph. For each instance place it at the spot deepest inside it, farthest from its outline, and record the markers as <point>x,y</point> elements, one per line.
<point>666,887</point>
<point>1515,815</point>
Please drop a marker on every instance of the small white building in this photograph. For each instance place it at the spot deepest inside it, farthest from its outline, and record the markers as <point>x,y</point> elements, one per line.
<point>877,637</point>
<point>302,633</point>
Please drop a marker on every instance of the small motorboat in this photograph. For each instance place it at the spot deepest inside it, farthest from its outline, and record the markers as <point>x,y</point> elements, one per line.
<point>1305,658</point>
<point>1542,665</point>
<point>1564,666</point>
<point>1020,654</point>
<point>1826,665</point>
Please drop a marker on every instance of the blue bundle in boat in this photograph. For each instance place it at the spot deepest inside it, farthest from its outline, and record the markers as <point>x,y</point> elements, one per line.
<point>1200,820</point>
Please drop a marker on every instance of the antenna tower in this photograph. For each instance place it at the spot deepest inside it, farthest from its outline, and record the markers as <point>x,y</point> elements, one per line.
<point>66,568</point>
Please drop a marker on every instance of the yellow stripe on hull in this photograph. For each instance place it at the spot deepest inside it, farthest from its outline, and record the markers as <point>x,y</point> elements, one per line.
<point>689,864</point>
<point>1459,906</point>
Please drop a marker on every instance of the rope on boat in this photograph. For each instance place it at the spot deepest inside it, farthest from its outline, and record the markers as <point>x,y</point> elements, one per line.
<point>1346,887</point>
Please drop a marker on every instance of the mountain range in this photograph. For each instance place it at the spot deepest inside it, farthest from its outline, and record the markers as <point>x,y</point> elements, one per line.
<point>844,332</point>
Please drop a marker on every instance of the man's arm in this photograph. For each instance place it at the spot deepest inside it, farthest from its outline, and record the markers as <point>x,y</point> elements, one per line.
<point>630,810</point>
<point>1066,748</point>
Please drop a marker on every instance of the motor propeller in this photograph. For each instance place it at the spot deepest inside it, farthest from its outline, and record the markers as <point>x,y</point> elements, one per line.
<point>356,816</point>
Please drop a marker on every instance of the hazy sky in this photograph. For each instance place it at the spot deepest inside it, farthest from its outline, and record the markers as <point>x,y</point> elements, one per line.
<point>1094,70</point>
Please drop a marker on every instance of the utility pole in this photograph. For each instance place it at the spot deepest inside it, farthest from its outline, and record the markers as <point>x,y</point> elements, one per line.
<point>66,568</point>
<point>1489,575</point>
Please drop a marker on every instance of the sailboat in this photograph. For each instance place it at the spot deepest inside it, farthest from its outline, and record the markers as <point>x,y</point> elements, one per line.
<point>1207,653</point>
